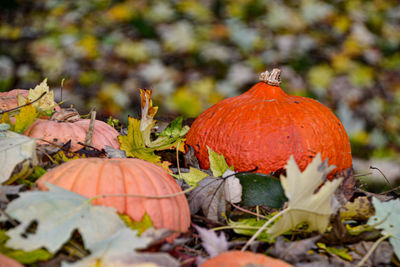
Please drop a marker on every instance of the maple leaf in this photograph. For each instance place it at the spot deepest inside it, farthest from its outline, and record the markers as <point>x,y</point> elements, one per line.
<point>133,143</point>
<point>211,242</point>
<point>387,218</point>
<point>192,177</point>
<point>17,156</point>
<point>46,103</point>
<point>24,118</point>
<point>304,204</point>
<point>58,213</point>
<point>138,142</point>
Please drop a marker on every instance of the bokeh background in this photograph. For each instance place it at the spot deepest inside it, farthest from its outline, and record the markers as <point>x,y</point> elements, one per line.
<point>194,53</point>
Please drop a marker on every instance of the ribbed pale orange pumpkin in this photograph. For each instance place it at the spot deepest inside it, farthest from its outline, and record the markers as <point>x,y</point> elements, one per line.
<point>95,176</point>
<point>264,126</point>
<point>236,258</point>
<point>9,100</point>
<point>60,132</point>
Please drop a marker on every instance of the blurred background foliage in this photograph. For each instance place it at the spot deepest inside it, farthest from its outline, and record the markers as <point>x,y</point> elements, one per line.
<point>194,53</point>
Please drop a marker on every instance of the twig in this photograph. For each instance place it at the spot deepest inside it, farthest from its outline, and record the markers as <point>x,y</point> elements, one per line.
<point>88,140</point>
<point>371,250</point>
<point>12,221</point>
<point>26,104</point>
<point>249,212</point>
<point>387,180</point>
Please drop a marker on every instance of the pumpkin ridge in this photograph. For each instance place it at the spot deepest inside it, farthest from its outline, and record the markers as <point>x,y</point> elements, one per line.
<point>76,175</point>
<point>175,199</point>
<point>155,188</point>
<point>136,179</point>
<point>125,184</point>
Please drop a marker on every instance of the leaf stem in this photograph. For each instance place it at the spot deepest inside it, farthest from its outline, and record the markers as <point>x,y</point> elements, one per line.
<point>234,227</point>
<point>263,228</point>
<point>143,196</point>
<point>371,250</point>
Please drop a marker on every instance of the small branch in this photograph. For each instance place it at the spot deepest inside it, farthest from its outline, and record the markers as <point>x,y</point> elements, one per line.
<point>263,228</point>
<point>88,140</point>
<point>371,250</point>
<point>11,220</point>
<point>387,180</point>
<point>249,212</point>
<point>26,104</point>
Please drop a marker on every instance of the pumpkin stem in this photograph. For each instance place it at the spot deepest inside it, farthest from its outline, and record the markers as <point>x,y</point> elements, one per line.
<point>272,78</point>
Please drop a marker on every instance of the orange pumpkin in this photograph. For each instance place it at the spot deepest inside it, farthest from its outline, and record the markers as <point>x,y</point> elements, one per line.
<point>235,258</point>
<point>9,100</point>
<point>9,262</point>
<point>95,176</point>
<point>66,125</point>
<point>264,126</point>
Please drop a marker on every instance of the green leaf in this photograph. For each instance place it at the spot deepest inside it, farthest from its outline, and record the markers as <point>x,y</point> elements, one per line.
<point>341,252</point>
<point>193,176</point>
<point>58,213</point>
<point>133,143</point>
<point>139,226</point>
<point>218,164</point>
<point>261,189</point>
<point>387,218</point>
<point>249,227</point>
<point>25,257</point>
<point>174,129</point>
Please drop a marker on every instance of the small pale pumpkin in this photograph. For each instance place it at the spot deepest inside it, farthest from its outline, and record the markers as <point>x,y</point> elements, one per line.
<point>66,125</point>
<point>9,100</point>
<point>95,176</point>
<point>236,258</point>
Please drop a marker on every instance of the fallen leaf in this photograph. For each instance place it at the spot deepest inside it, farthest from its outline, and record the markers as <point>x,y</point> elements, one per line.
<point>114,153</point>
<point>218,164</point>
<point>341,252</point>
<point>46,103</point>
<point>209,195</point>
<point>249,226</point>
<point>360,209</point>
<point>24,118</point>
<point>17,156</point>
<point>25,257</point>
<point>261,189</point>
<point>148,111</point>
<point>293,251</point>
<point>112,249</point>
<point>304,204</point>
<point>211,242</point>
<point>387,218</point>
<point>58,213</point>
<point>232,187</point>
<point>193,176</point>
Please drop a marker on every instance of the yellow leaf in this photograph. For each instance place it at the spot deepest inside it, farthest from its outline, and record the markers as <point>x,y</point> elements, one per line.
<point>46,102</point>
<point>133,143</point>
<point>25,118</point>
<point>360,209</point>
<point>304,205</point>
<point>148,111</point>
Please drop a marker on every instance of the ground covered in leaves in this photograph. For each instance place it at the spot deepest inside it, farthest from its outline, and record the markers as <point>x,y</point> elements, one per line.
<point>299,217</point>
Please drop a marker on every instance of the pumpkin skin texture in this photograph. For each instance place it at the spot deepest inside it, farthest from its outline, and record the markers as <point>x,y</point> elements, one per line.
<point>235,258</point>
<point>95,176</point>
<point>9,262</point>
<point>62,132</point>
<point>9,100</point>
<point>264,126</point>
